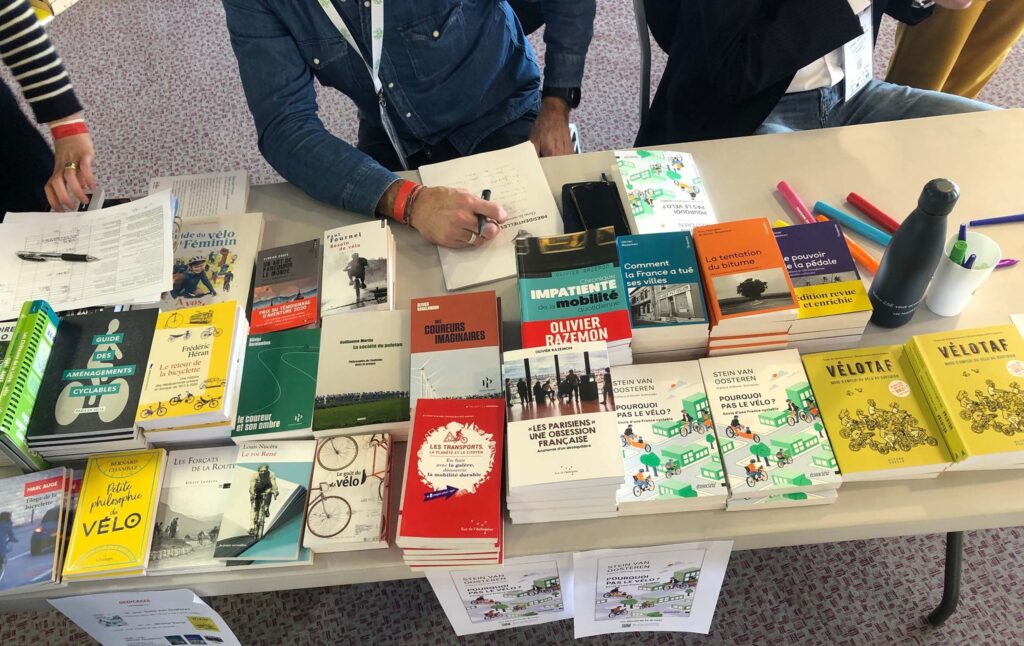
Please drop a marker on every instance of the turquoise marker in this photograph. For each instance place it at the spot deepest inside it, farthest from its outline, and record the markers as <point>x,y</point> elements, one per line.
<point>853,224</point>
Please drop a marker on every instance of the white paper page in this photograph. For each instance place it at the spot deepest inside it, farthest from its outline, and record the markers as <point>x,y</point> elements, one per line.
<point>1018,320</point>
<point>131,241</point>
<point>670,588</point>
<point>525,591</point>
<point>147,618</point>
<point>207,195</point>
<point>517,182</point>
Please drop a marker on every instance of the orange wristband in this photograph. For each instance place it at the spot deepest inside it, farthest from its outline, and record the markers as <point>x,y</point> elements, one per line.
<point>68,129</point>
<point>399,213</point>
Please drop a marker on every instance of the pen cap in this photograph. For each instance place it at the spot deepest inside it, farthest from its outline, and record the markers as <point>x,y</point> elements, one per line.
<point>938,197</point>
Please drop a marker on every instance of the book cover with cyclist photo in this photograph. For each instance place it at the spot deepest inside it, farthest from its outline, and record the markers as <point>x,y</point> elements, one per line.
<point>91,387</point>
<point>278,386</point>
<point>286,288</point>
<point>348,497</point>
<point>670,454</point>
<point>876,414</point>
<point>213,261</point>
<point>768,425</point>
<point>363,378</point>
<point>35,507</point>
<point>358,268</point>
<point>266,504</point>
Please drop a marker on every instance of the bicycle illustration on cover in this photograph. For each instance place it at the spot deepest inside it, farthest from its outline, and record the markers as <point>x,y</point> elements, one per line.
<point>999,409</point>
<point>329,514</point>
<point>883,430</point>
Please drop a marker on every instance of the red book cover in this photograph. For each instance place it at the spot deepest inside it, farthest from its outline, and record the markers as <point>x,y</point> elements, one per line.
<point>286,288</point>
<point>453,474</point>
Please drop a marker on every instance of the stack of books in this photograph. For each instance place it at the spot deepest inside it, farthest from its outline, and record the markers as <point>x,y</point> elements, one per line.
<point>876,414</point>
<point>350,494</point>
<point>114,523</point>
<point>662,191</point>
<point>749,294</point>
<point>670,456</point>
<point>40,509</point>
<point>570,292</point>
<point>834,307</point>
<point>769,429</point>
<point>974,382</point>
<point>358,268</point>
<point>563,451</point>
<point>6,334</point>
<point>192,381</point>
<point>90,389</point>
<point>450,513</point>
<point>661,283</point>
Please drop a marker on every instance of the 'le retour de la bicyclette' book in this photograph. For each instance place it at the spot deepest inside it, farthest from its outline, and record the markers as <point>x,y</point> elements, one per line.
<point>264,514</point>
<point>92,384</point>
<point>358,268</point>
<point>286,287</point>
<point>349,494</point>
<point>278,386</point>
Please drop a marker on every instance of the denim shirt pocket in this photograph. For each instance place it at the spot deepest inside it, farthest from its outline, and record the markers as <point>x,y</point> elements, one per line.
<point>434,44</point>
<point>330,61</point>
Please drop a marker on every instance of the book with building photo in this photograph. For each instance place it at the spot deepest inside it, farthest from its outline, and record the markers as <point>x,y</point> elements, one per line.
<point>363,375</point>
<point>763,404</point>
<point>286,288</point>
<point>213,261</point>
<point>358,268</point>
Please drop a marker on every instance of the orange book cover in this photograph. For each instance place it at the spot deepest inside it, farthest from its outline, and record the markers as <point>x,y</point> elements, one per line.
<point>743,270</point>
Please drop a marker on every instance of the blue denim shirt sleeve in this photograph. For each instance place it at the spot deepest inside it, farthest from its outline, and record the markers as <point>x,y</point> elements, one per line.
<point>567,33</point>
<point>279,90</point>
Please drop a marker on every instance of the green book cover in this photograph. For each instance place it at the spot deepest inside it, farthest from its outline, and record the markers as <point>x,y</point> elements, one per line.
<point>278,386</point>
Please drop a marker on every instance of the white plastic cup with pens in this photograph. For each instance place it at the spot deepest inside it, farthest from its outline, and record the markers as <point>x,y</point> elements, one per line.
<point>954,284</point>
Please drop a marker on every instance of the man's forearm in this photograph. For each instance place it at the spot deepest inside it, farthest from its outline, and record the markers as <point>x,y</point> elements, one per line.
<point>567,35</point>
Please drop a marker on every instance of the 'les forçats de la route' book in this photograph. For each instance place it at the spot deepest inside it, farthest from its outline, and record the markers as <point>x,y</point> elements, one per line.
<point>974,383</point>
<point>363,379</point>
<point>670,454</point>
<point>92,384</point>
<point>570,291</point>
<point>278,386</point>
<point>358,268</point>
<point>876,414</point>
<point>213,261</point>
<point>286,287</point>
<point>263,516</point>
<point>768,425</point>
<point>113,527</point>
<point>37,504</point>
<point>663,191</point>
<point>349,494</point>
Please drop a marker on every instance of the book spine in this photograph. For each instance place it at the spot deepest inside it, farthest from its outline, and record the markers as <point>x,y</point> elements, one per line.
<point>954,443</point>
<point>27,356</point>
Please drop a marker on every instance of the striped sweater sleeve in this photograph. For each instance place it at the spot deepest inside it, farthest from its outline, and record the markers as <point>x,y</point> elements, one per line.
<point>27,51</point>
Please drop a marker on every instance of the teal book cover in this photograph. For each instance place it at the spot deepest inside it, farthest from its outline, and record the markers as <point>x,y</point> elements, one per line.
<point>278,386</point>
<point>661,280</point>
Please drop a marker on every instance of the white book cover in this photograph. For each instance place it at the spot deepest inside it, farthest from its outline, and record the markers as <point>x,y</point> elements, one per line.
<point>363,375</point>
<point>561,416</point>
<point>358,268</point>
<point>664,190</point>
<point>768,424</point>
<point>669,449</point>
<point>523,591</point>
<point>670,588</point>
<point>517,182</point>
<point>207,195</point>
<point>348,492</point>
<point>781,501</point>
<point>195,492</point>
<point>213,261</point>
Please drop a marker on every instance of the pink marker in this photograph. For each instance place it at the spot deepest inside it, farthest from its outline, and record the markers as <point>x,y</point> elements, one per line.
<point>795,203</point>
<point>1006,262</point>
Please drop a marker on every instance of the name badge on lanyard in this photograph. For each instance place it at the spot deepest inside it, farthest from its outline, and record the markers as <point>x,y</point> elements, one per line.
<point>858,58</point>
<point>372,66</point>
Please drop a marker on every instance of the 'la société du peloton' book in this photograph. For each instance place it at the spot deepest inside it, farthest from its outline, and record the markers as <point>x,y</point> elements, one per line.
<point>763,407</point>
<point>974,382</point>
<point>278,386</point>
<point>663,191</point>
<point>286,287</point>
<point>662,285</point>
<point>92,384</point>
<point>876,414</point>
<point>358,268</point>
<point>363,381</point>
<point>570,291</point>
<point>670,454</point>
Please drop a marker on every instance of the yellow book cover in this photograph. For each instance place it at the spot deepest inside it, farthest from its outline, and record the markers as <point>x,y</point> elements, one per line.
<point>975,379</point>
<point>188,364</point>
<point>875,413</point>
<point>116,507</point>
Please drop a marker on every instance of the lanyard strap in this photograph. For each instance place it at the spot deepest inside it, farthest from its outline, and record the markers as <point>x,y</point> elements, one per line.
<point>372,66</point>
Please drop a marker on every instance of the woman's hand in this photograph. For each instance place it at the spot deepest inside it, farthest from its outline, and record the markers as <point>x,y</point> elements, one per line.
<point>66,188</point>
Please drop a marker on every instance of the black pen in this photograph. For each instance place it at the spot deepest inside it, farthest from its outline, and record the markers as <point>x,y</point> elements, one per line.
<point>43,256</point>
<point>485,195</point>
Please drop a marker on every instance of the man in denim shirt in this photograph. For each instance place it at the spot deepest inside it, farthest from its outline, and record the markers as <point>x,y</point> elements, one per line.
<point>457,77</point>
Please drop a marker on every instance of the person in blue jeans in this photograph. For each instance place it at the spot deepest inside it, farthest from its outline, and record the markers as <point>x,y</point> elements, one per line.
<point>768,66</point>
<point>432,80</point>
